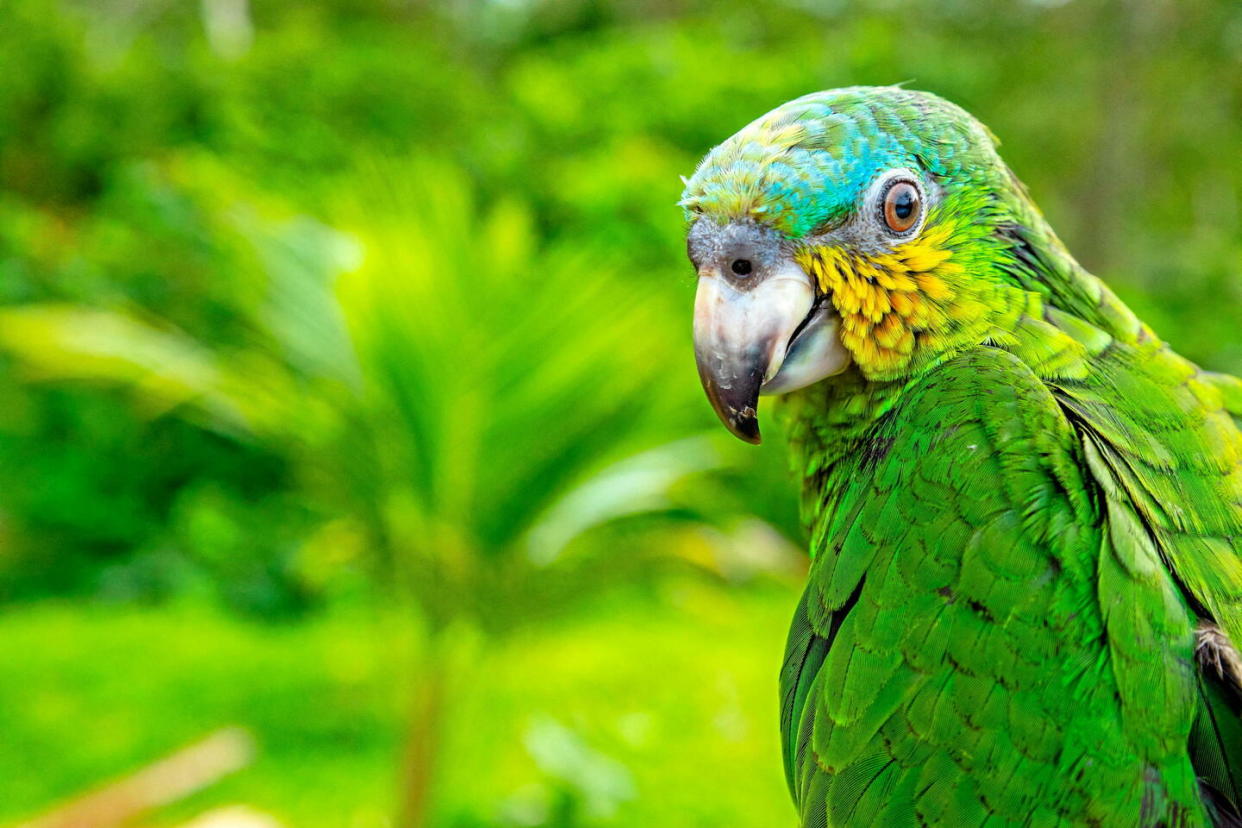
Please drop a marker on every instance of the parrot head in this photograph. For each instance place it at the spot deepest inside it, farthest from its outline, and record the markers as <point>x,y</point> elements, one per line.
<point>858,228</point>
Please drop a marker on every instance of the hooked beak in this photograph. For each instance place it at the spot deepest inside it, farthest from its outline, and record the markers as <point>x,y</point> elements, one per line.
<point>768,336</point>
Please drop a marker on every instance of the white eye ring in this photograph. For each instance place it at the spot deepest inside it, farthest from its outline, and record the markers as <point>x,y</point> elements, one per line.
<point>883,213</point>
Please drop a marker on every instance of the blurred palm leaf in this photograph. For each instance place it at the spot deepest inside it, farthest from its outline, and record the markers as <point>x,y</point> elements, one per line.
<point>164,368</point>
<point>645,483</point>
<point>471,399</point>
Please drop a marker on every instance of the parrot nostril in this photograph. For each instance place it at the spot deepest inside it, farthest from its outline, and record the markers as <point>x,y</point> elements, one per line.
<point>741,267</point>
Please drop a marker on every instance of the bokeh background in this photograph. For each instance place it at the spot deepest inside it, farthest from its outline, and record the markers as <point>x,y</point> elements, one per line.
<point>348,417</point>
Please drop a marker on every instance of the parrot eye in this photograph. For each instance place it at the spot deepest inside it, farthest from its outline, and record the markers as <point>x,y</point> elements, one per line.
<point>902,206</point>
<point>741,267</point>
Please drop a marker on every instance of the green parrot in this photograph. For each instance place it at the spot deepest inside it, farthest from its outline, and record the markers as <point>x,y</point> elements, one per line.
<point>1025,509</point>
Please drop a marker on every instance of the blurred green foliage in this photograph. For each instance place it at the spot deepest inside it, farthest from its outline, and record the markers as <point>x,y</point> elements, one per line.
<point>564,732</point>
<point>141,142</point>
<point>311,307</point>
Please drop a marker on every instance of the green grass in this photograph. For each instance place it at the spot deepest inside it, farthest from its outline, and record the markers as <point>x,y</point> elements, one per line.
<point>642,713</point>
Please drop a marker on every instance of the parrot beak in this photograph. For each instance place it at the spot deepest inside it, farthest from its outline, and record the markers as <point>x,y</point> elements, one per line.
<point>766,335</point>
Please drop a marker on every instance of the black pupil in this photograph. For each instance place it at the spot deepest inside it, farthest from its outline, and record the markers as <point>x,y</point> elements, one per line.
<point>740,266</point>
<point>903,206</point>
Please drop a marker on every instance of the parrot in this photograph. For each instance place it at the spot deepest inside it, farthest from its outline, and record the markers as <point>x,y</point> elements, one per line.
<point>1024,509</point>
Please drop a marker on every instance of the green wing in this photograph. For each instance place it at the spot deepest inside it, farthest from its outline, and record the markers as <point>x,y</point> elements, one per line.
<point>1161,442</point>
<point>986,636</point>
<point>1216,747</point>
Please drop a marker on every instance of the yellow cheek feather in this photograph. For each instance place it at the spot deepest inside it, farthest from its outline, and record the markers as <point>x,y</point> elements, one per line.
<point>896,303</point>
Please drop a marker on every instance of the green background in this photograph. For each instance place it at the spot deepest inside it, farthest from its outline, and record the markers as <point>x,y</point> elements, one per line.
<point>346,388</point>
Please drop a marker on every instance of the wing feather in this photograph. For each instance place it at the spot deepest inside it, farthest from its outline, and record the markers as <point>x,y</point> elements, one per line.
<point>973,615</point>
